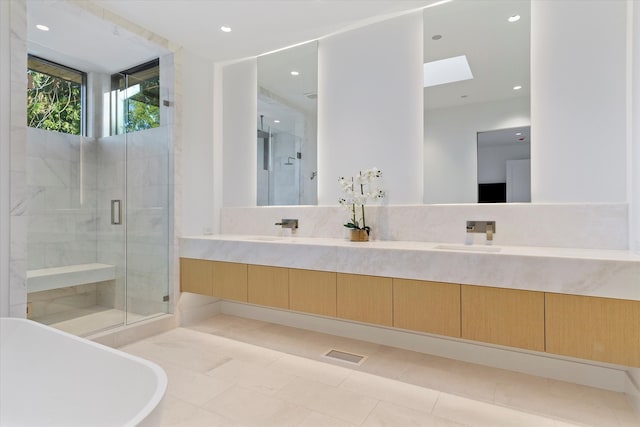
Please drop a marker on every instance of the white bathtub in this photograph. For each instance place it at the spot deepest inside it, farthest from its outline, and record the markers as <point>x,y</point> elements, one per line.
<point>51,378</point>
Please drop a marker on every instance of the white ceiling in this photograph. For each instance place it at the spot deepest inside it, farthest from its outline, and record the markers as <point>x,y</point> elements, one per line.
<point>81,40</point>
<point>498,52</point>
<point>258,26</point>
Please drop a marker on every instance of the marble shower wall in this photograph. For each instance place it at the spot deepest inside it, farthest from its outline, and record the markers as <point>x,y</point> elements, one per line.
<point>61,184</point>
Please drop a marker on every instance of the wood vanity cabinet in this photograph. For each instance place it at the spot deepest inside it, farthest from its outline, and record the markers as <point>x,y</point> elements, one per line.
<point>230,280</point>
<point>312,291</point>
<point>365,298</point>
<point>196,276</point>
<point>268,286</point>
<point>432,307</point>
<point>509,317</point>
<point>603,329</point>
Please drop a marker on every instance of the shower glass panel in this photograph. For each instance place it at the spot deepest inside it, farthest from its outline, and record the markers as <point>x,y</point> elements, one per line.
<point>147,212</point>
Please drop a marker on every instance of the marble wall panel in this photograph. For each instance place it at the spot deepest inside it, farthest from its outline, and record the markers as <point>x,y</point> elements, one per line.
<point>587,226</point>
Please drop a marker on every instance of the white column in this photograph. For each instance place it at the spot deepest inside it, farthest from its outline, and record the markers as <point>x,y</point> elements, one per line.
<point>634,193</point>
<point>370,88</point>
<point>578,101</point>
<point>13,138</point>
<point>239,133</point>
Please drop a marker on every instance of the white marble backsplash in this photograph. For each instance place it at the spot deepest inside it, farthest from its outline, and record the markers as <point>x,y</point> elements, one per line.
<point>587,226</point>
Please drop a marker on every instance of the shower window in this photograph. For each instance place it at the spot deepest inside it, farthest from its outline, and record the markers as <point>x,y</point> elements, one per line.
<point>55,97</point>
<point>135,98</point>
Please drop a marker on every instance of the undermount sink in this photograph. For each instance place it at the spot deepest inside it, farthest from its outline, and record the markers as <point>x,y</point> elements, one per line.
<point>470,248</point>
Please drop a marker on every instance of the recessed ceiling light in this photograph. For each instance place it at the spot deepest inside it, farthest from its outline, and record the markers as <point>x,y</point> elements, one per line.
<point>436,37</point>
<point>276,121</point>
<point>514,18</point>
<point>225,29</point>
<point>517,87</point>
<point>42,27</point>
<point>447,70</point>
<point>295,73</point>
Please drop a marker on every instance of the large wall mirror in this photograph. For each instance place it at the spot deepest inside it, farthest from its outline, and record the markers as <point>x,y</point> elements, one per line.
<point>287,126</point>
<point>477,102</point>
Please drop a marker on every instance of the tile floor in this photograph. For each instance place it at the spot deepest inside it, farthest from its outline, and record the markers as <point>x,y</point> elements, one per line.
<point>231,371</point>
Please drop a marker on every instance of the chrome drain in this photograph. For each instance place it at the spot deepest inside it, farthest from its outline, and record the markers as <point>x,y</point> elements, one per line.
<point>344,356</point>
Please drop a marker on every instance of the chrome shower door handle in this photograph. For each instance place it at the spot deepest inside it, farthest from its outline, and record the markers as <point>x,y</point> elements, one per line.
<point>116,212</point>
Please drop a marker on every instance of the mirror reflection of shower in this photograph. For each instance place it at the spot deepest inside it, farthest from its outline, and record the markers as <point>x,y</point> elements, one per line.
<point>279,148</point>
<point>287,126</point>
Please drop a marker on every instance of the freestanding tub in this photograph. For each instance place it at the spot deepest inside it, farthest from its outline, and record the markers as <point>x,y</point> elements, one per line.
<point>51,378</point>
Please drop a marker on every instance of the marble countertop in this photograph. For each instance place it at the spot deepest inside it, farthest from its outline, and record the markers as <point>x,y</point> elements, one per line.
<point>590,272</point>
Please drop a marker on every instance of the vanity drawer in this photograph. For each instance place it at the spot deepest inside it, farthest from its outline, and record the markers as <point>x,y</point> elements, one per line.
<point>432,307</point>
<point>603,329</point>
<point>509,317</point>
<point>268,286</point>
<point>196,276</point>
<point>365,298</point>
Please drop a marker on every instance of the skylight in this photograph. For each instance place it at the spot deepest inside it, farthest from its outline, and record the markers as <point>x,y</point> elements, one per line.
<point>447,70</point>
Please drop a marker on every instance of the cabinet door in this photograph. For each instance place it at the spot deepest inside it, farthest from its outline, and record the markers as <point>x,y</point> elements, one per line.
<point>196,276</point>
<point>432,307</point>
<point>312,291</point>
<point>230,280</point>
<point>365,298</point>
<point>503,316</point>
<point>603,329</point>
<point>268,286</point>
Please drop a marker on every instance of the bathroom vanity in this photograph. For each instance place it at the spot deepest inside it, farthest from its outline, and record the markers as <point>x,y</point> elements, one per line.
<point>582,303</point>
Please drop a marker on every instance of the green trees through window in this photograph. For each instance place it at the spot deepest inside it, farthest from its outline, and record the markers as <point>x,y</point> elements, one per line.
<point>136,94</point>
<point>54,97</point>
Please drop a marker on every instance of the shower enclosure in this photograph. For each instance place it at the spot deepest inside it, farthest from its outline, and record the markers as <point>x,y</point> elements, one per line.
<point>100,211</point>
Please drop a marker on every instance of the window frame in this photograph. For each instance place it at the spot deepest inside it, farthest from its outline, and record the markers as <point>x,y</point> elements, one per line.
<point>120,128</point>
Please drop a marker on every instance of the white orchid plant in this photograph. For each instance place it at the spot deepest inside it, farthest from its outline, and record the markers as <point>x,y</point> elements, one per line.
<point>357,191</point>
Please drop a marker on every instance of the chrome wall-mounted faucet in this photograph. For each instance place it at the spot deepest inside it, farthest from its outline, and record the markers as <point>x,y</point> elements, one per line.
<point>288,223</point>
<point>488,227</point>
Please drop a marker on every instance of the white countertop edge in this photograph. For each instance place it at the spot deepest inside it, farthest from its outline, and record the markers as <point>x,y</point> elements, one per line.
<point>521,251</point>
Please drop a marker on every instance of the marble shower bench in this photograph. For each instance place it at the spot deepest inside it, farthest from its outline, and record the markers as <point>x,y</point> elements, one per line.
<point>45,279</point>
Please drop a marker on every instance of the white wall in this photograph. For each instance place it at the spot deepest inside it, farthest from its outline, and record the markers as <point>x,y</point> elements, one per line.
<point>450,146</point>
<point>370,107</point>
<point>492,161</point>
<point>13,138</point>
<point>578,101</point>
<point>5,153</point>
<point>197,144</point>
<point>239,137</point>
<point>634,154</point>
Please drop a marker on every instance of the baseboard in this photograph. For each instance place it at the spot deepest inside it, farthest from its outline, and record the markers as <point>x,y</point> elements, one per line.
<point>608,377</point>
<point>194,314</point>
<point>632,389</point>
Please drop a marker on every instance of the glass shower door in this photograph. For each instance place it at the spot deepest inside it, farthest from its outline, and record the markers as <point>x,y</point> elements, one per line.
<point>147,132</point>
